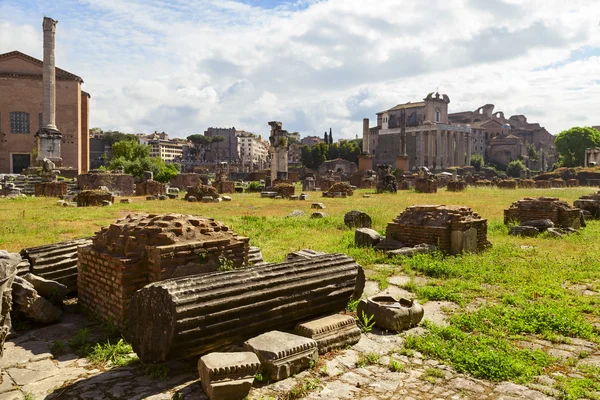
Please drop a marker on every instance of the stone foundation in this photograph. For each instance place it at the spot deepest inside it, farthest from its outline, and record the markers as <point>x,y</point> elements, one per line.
<point>87,198</point>
<point>452,229</point>
<point>572,183</point>
<point>526,184</point>
<point>285,190</point>
<point>543,185</point>
<point>51,189</point>
<point>589,203</point>
<point>537,208</point>
<point>507,184</point>
<point>425,186</point>
<point>141,249</point>
<point>122,184</point>
<point>558,183</point>
<point>182,181</point>
<point>225,187</point>
<point>201,191</point>
<point>149,188</point>
<point>456,186</point>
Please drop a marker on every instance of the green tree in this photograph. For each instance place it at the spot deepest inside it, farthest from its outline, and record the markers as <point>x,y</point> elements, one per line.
<point>532,152</point>
<point>130,150</point>
<point>135,158</point>
<point>200,143</point>
<point>571,144</point>
<point>515,168</point>
<point>477,162</point>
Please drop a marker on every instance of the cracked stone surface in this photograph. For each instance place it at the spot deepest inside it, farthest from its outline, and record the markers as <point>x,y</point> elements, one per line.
<point>28,367</point>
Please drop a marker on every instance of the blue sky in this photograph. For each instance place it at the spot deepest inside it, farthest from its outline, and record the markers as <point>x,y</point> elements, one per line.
<point>181,66</point>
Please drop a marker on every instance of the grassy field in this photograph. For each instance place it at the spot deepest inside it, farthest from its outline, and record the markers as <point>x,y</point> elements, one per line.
<point>521,289</point>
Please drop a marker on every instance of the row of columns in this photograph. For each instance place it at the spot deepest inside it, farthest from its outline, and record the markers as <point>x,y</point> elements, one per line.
<point>441,149</point>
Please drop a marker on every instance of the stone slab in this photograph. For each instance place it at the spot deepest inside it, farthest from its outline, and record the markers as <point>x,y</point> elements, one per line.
<point>228,376</point>
<point>331,332</point>
<point>283,354</point>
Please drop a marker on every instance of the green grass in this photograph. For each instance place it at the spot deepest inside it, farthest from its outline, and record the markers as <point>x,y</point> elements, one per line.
<point>366,359</point>
<point>517,290</point>
<point>118,354</point>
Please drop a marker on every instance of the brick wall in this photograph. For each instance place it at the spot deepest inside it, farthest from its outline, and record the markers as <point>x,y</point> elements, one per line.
<point>122,183</point>
<point>425,186</point>
<point>182,181</point>
<point>51,189</point>
<point>149,188</point>
<point>531,209</point>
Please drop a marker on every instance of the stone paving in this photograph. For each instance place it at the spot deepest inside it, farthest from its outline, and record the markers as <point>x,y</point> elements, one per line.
<point>30,371</point>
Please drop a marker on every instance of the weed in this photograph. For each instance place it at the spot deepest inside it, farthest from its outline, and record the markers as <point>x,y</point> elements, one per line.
<point>406,352</point>
<point>584,354</point>
<point>157,371</point>
<point>58,347</point>
<point>225,264</point>
<point>352,305</point>
<point>177,396</point>
<point>300,389</point>
<point>28,396</point>
<point>323,371</point>
<point>396,366</point>
<point>366,359</point>
<point>365,322</point>
<point>118,354</point>
<point>81,342</point>
<point>434,373</point>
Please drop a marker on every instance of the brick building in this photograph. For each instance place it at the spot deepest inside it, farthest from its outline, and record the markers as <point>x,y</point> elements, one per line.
<point>21,109</point>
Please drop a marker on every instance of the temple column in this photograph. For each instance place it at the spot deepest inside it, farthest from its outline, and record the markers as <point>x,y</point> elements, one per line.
<point>420,148</point>
<point>429,150</point>
<point>438,149</point>
<point>469,147</point>
<point>461,149</point>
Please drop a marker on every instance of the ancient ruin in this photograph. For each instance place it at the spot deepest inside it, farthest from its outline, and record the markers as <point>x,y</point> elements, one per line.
<point>332,332</point>
<point>50,186</point>
<point>228,375</point>
<point>201,191</point>
<point>453,229</point>
<point>222,182</point>
<point>339,189</point>
<point>283,354</point>
<point>183,180</point>
<point>391,314</point>
<point>49,137</point>
<point>144,248</point>
<point>149,187</point>
<point>57,261</point>
<point>8,271</point>
<point>201,313</point>
<point>426,181</point>
<point>386,181</point>
<point>357,219</point>
<point>118,183</point>
<point>539,208</point>
<point>279,152</point>
<point>590,204</point>
<point>87,198</point>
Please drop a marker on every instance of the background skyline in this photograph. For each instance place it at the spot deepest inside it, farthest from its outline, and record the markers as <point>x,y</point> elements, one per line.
<point>183,66</point>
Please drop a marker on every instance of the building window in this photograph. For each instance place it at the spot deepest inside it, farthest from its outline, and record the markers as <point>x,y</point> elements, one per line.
<point>19,122</point>
<point>437,115</point>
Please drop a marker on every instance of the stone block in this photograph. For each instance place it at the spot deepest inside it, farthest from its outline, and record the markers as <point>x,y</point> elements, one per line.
<point>192,199</point>
<point>318,214</point>
<point>318,206</point>
<point>366,237</point>
<point>207,199</point>
<point>226,198</point>
<point>296,213</point>
<point>228,376</point>
<point>283,354</point>
<point>357,219</point>
<point>106,203</point>
<point>332,332</point>
<point>391,314</point>
<point>125,201</point>
<point>303,196</point>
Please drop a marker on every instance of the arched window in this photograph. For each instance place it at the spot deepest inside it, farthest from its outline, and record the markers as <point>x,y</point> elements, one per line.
<point>438,114</point>
<point>19,122</point>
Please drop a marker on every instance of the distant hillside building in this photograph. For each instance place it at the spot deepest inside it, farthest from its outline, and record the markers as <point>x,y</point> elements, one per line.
<point>227,150</point>
<point>502,146</point>
<point>310,141</point>
<point>419,133</point>
<point>21,114</point>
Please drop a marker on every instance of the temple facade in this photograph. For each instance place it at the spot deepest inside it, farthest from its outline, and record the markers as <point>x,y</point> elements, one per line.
<point>418,134</point>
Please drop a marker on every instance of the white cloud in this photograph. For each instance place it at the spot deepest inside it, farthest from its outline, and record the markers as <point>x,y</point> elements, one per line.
<point>182,66</point>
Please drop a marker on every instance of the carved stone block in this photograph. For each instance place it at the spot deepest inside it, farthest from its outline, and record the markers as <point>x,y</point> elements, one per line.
<point>228,376</point>
<point>283,354</point>
<point>331,332</point>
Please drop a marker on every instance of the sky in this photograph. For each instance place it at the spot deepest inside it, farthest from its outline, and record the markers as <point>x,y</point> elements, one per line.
<point>181,66</point>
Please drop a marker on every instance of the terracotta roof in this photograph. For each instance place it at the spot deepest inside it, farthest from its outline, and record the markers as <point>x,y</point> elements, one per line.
<point>60,73</point>
<point>405,105</point>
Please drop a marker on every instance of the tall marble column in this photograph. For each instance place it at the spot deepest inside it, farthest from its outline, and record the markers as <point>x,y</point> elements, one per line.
<point>49,137</point>
<point>429,150</point>
<point>438,149</point>
<point>461,154</point>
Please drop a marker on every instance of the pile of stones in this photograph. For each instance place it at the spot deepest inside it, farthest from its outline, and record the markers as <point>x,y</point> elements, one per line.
<point>339,189</point>
<point>507,184</point>
<point>285,190</point>
<point>94,198</point>
<point>535,227</point>
<point>456,186</point>
<point>526,184</point>
<point>204,193</point>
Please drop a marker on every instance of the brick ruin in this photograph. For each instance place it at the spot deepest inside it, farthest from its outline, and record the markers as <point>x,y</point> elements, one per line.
<point>339,189</point>
<point>121,184</point>
<point>589,204</point>
<point>526,184</point>
<point>182,181</point>
<point>507,184</point>
<point>51,189</point>
<point>543,185</point>
<point>452,229</point>
<point>144,248</point>
<point>536,208</point>
<point>149,188</point>
<point>425,185</point>
<point>456,186</point>
<point>222,182</point>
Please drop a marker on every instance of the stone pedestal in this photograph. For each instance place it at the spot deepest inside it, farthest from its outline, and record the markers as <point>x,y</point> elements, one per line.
<point>225,187</point>
<point>402,163</point>
<point>50,189</point>
<point>365,162</point>
<point>48,145</point>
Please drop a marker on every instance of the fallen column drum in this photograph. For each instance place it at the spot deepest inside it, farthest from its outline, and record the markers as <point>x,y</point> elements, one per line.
<point>194,315</point>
